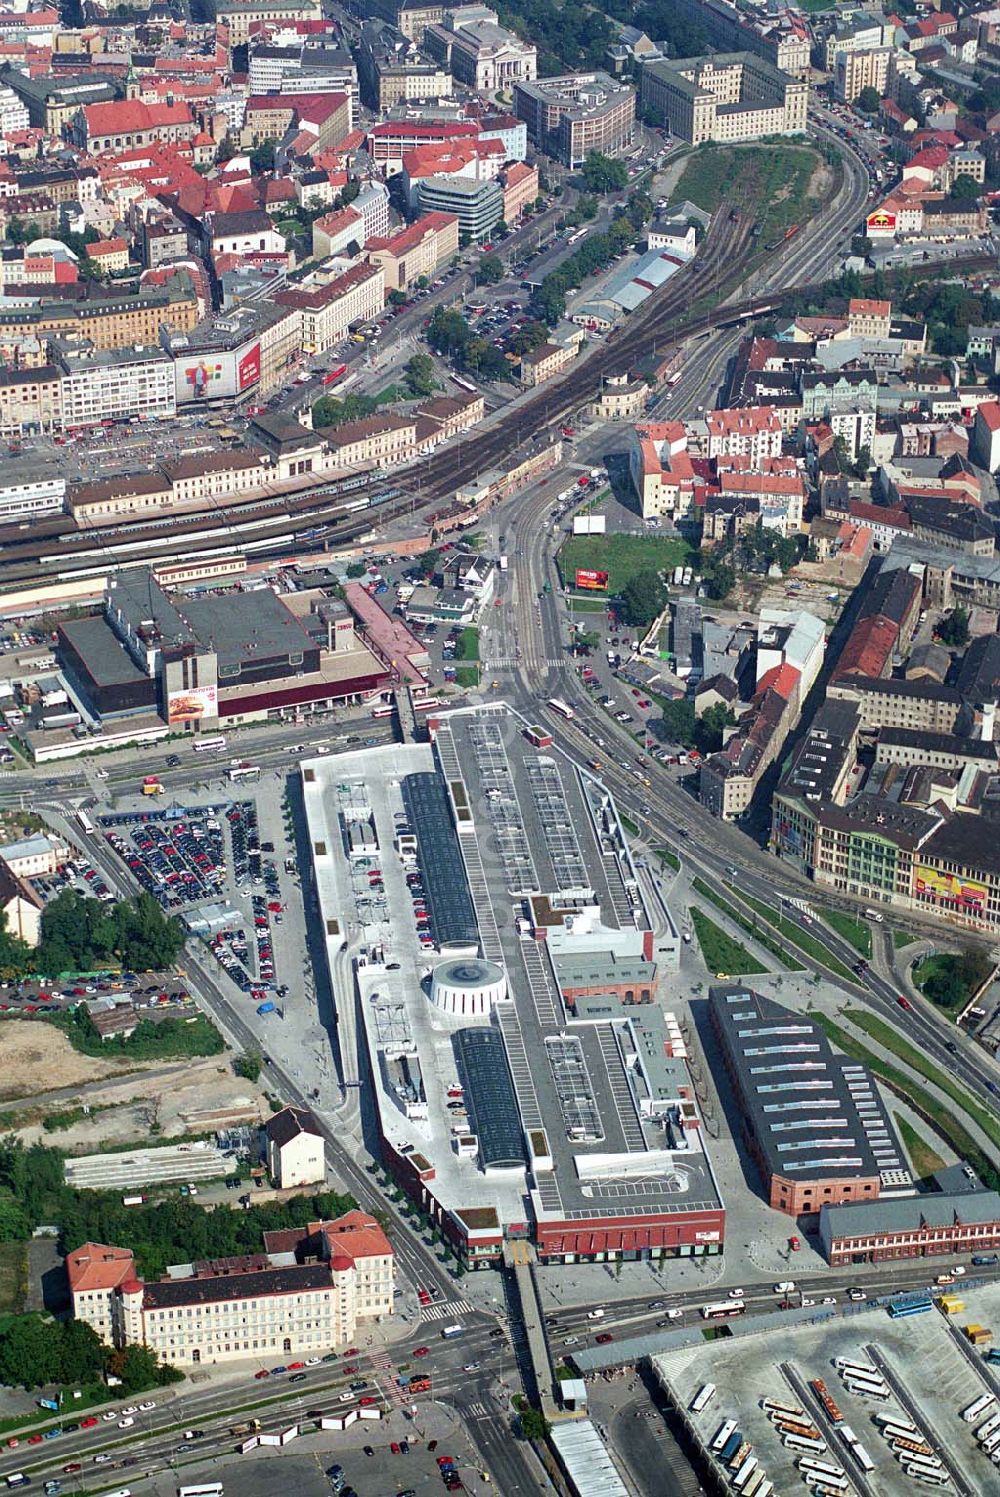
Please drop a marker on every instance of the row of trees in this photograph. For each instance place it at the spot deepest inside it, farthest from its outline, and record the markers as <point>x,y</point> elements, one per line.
<point>36,1352</point>
<point>79,934</point>
<point>176,1230</point>
<point>596,253</point>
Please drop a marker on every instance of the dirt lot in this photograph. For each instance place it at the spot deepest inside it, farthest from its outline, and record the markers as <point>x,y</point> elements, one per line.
<point>165,1099</point>
<point>38,1058</point>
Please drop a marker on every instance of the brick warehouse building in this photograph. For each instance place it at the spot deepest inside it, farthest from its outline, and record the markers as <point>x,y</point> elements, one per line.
<point>917,1227</point>
<point>812,1120</point>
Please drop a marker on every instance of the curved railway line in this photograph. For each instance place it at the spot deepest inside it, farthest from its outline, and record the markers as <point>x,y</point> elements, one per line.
<point>282,524</point>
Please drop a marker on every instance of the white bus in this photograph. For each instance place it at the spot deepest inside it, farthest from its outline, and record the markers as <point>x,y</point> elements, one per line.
<point>926,1474</point>
<point>755,1485</point>
<point>845,1364</point>
<point>824,1480</point>
<point>805,1442</point>
<point>743,1475</point>
<point>979,1406</point>
<point>722,1434</point>
<point>702,1398</point>
<point>212,745</point>
<point>823,1468</point>
<point>900,1431</point>
<point>992,1423</point>
<point>201,1489</point>
<point>244,772</point>
<point>562,708</point>
<point>866,1388</point>
<point>723,1309</point>
<point>900,1421</point>
<point>85,823</point>
<point>930,1462</point>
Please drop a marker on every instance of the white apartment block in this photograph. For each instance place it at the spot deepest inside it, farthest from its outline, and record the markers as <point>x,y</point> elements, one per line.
<point>753,432</point>
<point>115,384</point>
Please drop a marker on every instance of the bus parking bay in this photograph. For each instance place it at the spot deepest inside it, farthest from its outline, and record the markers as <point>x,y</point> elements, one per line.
<point>927,1354</point>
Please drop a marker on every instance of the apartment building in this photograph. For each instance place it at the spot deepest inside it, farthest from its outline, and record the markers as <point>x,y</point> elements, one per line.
<point>867,318</point>
<point>857,70</point>
<point>240,17</point>
<point>753,432</point>
<point>418,250</point>
<point>392,69</point>
<point>546,361</point>
<point>113,384</point>
<point>726,97</point>
<point>307,1291</point>
<point>478,206</point>
<point>576,113</point>
<point>109,321</point>
<point>328,312</point>
<point>661,470</point>
<point>781,39</point>
<point>30,401</point>
<point>863,33</point>
<point>519,185</point>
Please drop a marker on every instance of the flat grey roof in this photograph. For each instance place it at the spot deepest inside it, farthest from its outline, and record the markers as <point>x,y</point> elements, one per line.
<point>911,1213</point>
<point>490,1096</point>
<point>246,626</point>
<point>107,661</point>
<point>453,918</point>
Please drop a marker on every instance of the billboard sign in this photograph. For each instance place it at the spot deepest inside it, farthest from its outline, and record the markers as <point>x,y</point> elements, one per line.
<point>248,369</point>
<point>948,887</point>
<point>595,581</point>
<point>881,222</point>
<point>192,705</point>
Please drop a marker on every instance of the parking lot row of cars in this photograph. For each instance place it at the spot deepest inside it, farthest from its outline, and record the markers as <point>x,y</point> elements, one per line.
<point>178,862</point>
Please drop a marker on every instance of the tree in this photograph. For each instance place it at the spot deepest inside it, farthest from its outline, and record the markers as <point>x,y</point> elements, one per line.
<point>719,578</point>
<point>29,1352</point>
<point>643,598</point>
<point>868,100</point>
<point>679,722</point>
<point>709,729</point>
<point>356,569</point>
<point>248,1066</point>
<point>397,298</point>
<point>603,174</point>
<point>428,562</point>
<point>953,630</point>
<point>262,157</point>
<point>489,270</point>
<point>534,1425</point>
<point>330,412</point>
<point>966,188</point>
<point>419,374</point>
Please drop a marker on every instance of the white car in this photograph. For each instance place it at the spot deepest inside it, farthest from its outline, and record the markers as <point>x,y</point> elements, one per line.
<point>131,1408</point>
<point>126,1423</point>
<point>571,1341</point>
<point>829,1299</point>
<point>958,1272</point>
<point>807,1301</point>
<point>111,1415</point>
<point>677,1314</point>
<point>736,1293</point>
<point>149,1404</point>
<point>595,1314</point>
<point>786,1286</point>
<point>313,1361</point>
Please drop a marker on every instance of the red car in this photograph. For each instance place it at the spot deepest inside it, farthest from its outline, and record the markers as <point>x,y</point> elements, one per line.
<point>35,1439</point>
<point>422,1294</point>
<point>794,1244</point>
<point>367,1399</point>
<point>422,1351</point>
<point>604,1338</point>
<point>295,1366</point>
<point>904,1002</point>
<point>394,1448</point>
<point>89,1423</point>
<point>262,1373</point>
<point>352,1351</point>
<point>72,1468</point>
<point>446,1460</point>
<point>13,1443</point>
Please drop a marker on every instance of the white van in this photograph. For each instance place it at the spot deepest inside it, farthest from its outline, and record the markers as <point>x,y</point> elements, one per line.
<point>874,915</point>
<point>595,1314</point>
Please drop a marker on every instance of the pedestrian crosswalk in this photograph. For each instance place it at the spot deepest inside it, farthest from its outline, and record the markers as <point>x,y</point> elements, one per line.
<point>509,663</point>
<point>479,1411</point>
<point>447,1312</point>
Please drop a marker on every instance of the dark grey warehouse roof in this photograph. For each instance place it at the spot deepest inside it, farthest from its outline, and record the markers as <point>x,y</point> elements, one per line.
<point>429,809</point>
<point>815,1115</point>
<point>489,1092</point>
<point>244,627</point>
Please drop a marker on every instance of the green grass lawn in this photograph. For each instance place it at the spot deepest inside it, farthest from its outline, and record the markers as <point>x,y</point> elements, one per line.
<point>879,1030</point>
<point>807,944</point>
<point>467,676</point>
<point>937,1113</point>
<point>852,930</point>
<point>768,182</point>
<point>762,936</point>
<point>721,952</point>
<point>668,858</point>
<point>925,1160</point>
<point>930,967</point>
<point>621,556</point>
<point>578,604</point>
<point>901,938</point>
<point>467,647</point>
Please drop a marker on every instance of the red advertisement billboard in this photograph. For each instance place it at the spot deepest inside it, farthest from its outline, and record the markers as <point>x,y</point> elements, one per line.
<point>248,369</point>
<point>596,581</point>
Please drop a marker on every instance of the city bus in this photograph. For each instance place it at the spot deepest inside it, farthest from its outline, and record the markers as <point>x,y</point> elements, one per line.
<point>844,1364</point>
<point>702,1398</point>
<point>723,1309</point>
<point>561,707</point>
<point>979,1406</point>
<point>992,1423</point>
<point>722,1434</point>
<point>867,1388</point>
<point>743,1475</point>
<point>900,1431</point>
<point>384,709</point>
<point>856,1448</point>
<point>805,1442</point>
<point>427,704</point>
<point>201,1489</point>
<point>775,1406</point>
<point>756,1484</point>
<point>244,772</point>
<point>898,1421</point>
<point>932,1478</point>
<point>821,1468</point>
<point>911,1307</point>
<point>464,384</point>
<point>212,745</point>
<point>85,823</point>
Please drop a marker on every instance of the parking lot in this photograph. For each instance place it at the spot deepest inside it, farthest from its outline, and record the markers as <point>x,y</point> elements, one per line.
<point>916,1374</point>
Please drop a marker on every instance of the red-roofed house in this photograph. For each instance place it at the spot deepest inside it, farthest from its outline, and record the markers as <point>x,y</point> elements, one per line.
<point>109,254</point>
<point>753,431</point>
<point>519,182</point>
<point>869,649</point>
<point>336,232</point>
<point>927,166</point>
<point>418,250</point>
<point>661,470</point>
<point>94,1272</point>
<point>128,123</point>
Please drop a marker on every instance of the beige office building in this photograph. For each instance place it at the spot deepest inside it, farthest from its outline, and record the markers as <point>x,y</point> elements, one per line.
<point>727,97</point>
<point>856,71</point>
